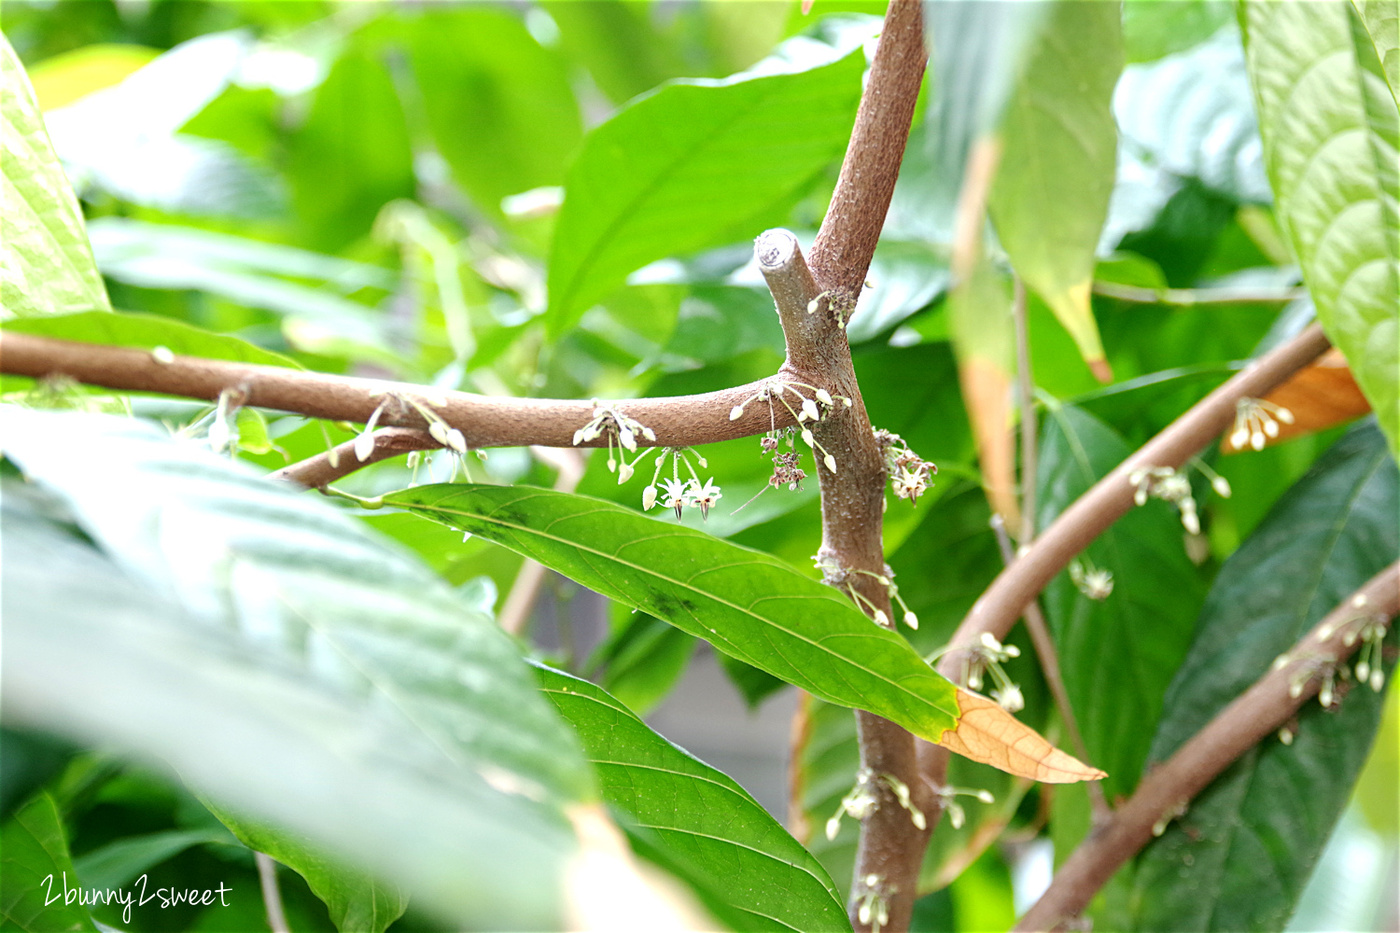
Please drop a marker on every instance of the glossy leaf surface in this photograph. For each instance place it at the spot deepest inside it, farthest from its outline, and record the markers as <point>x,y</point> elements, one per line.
<point>685,168</point>
<point>748,605</point>
<point>1117,654</point>
<point>1331,133</point>
<point>146,331</point>
<point>46,266</point>
<point>95,655</point>
<point>1239,857</point>
<point>705,821</point>
<point>36,864</point>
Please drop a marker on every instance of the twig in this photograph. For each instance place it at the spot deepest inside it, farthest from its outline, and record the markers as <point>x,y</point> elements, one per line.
<point>271,893</point>
<point>1025,393</point>
<point>1111,497</point>
<point>526,588</point>
<point>1107,501</point>
<point>1050,665</point>
<point>340,461</point>
<point>1257,713</point>
<point>485,421</point>
<point>1190,297</point>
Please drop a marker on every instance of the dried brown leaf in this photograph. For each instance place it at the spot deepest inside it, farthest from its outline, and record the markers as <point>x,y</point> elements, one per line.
<point>987,733</point>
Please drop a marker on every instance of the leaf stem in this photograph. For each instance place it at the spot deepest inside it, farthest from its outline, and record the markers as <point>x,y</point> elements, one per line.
<point>1253,716</point>
<point>1192,297</point>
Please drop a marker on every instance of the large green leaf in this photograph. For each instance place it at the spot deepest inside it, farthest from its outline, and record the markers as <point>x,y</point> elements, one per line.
<point>46,265</point>
<point>700,816</point>
<point>1240,856</point>
<point>312,587</point>
<point>1332,147</point>
<point>747,604</point>
<point>38,872</point>
<point>356,902</point>
<point>1118,654</point>
<point>1051,192</point>
<point>687,167</point>
<point>95,655</point>
<point>1381,19</point>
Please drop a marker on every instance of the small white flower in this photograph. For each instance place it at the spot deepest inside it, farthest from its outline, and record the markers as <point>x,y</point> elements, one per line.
<point>830,462</point>
<point>824,397</point>
<point>624,472</point>
<point>675,495</point>
<point>736,412</point>
<point>809,411</point>
<point>648,498</point>
<point>704,496</point>
<point>911,620</point>
<point>456,441</point>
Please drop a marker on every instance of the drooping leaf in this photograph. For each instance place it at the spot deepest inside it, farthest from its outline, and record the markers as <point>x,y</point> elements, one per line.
<point>705,821</point>
<point>1239,857</point>
<point>1117,654</point>
<point>356,901</point>
<point>1051,192</point>
<point>96,656</point>
<point>37,872</point>
<point>46,266</point>
<point>747,604</point>
<point>1331,133</point>
<point>686,168</point>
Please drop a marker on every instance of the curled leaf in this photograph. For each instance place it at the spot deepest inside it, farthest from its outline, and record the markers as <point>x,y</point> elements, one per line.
<point>987,733</point>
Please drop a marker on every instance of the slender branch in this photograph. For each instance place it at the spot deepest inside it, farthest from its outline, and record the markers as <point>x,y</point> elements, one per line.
<point>1107,501</point>
<point>484,421</point>
<point>271,893</point>
<point>340,461</point>
<point>526,588</point>
<point>1257,713</point>
<point>851,228</point>
<point>1190,297</point>
<point>1025,393</point>
<point>1111,497</point>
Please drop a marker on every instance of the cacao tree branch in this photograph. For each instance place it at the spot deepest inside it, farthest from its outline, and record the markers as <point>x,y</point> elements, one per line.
<point>1254,716</point>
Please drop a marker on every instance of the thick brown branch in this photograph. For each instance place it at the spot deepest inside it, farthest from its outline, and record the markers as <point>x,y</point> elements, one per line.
<point>851,228</point>
<point>891,848</point>
<point>1253,716</point>
<point>484,421</point>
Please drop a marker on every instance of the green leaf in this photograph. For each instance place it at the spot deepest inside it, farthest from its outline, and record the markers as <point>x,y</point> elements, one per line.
<point>747,604</point>
<point>38,872</point>
<point>46,266</point>
<point>1240,856</point>
<point>700,816</point>
<point>356,901</point>
<point>1153,29</point>
<point>277,566</point>
<point>147,331</point>
<point>1331,139</point>
<point>1191,115</point>
<point>1051,192</point>
<point>312,289</point>
<point>1117,655</point>
<point>642,660</point>
<point>285,661</point>
<point>687,168</point>
<point>499,106</point>
<point>1381,19</point>
<point>119,863</point>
